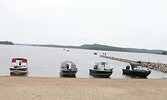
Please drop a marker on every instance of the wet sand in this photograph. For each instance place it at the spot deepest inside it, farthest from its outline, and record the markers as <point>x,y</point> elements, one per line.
<point>35,88</point>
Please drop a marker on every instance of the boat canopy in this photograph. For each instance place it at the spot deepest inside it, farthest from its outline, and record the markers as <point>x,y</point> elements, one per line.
<point>102,65</point>
<point>138,66</point>
<point>141,68</point>
<point>21,59</point>
<point>135,64</point>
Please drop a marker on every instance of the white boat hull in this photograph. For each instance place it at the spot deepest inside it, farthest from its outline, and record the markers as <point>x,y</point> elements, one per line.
<point>19,70</point>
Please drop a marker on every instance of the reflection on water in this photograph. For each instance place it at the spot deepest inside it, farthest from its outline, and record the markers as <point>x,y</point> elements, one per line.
<point>46,62</point>
<point>130,76</point>
<point>67,76</point>
<point>90,76</point>
<point>18,74</point>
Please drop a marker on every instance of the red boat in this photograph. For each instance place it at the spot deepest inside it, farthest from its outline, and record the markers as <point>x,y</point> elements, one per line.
<point>19,65</point>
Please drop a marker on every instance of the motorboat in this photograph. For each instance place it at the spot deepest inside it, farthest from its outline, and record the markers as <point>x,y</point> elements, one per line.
<point>19,66</point>
<point>136,69</point>
<point>68,68</point>
<point>101,69</point>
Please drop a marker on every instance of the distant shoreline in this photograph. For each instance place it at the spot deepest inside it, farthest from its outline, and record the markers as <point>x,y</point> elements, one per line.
<point>6,43</point>
<point>94,47</point>
<point>102,47</point>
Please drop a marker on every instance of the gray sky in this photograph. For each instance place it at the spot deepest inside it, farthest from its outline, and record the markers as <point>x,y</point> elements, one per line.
<point>124,23</point>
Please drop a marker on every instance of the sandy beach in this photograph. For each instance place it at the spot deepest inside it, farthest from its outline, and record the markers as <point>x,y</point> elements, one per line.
<point>35,88</point>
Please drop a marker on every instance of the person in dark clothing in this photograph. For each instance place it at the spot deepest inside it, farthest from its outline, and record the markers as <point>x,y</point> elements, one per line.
<point>67,66</point>
<point>95,67</point>
<point>128,67</point>
<point>19,63</point>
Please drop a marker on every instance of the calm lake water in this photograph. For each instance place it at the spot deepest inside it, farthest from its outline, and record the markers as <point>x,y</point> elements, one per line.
<point>46,62</point>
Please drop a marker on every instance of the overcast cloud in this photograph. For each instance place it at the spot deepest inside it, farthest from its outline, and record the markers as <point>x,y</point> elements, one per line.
<point>124,23</point>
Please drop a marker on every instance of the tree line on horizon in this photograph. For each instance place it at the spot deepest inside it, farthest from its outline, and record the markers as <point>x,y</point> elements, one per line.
<point>6,42</point>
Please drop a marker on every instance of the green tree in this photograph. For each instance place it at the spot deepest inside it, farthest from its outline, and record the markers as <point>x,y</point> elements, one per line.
<point>164,52</point>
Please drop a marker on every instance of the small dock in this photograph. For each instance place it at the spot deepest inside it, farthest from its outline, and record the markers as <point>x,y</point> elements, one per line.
<point>151,65</point>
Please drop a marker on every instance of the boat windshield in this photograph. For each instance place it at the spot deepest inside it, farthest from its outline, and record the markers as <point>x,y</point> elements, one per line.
<point>19,63</point>
<point>68,65</point>
<point>140,68</point>
<point>102,67</point>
